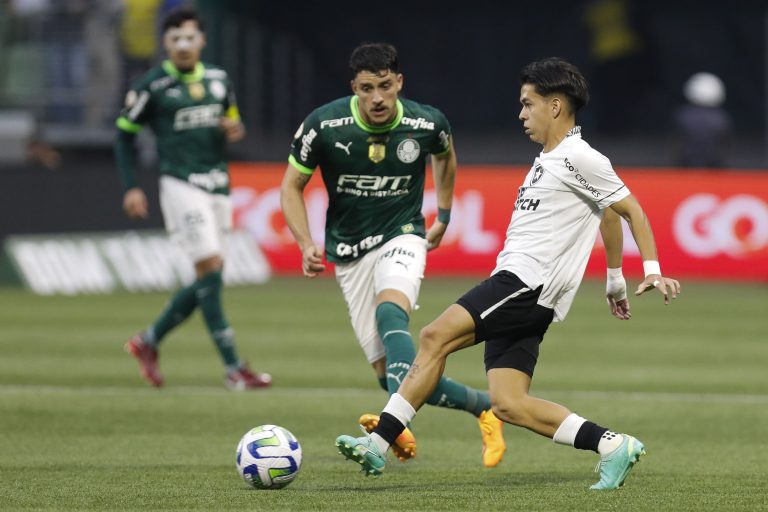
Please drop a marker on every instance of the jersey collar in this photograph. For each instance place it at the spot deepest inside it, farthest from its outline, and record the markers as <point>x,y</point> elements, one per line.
<point>375,129</point>
<point>195,76</point>
<point>576,130</point>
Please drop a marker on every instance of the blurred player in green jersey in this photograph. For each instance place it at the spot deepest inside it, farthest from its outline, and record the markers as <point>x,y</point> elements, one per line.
<point>191,109</point>
<point>372,149</point>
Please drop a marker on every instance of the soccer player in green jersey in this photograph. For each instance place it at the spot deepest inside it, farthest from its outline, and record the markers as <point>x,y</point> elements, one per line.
<point>372,150</point>
<point>191,109</point>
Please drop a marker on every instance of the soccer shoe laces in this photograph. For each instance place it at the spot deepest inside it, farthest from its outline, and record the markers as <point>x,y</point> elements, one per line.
<point>599,465</point>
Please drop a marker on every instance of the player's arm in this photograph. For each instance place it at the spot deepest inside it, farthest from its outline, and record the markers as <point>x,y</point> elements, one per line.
<point>444,173</point>
<point>295,213</point>
<point>631,211</point>
<point>135,202</point>
<point>616,286</point>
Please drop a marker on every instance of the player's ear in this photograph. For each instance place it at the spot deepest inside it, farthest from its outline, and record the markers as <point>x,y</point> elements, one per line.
<point>353,86</point>
<point>399,81</point>
<point>557,106</point>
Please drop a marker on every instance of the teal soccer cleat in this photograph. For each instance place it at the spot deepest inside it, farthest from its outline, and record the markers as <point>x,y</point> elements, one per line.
<point>363,451</point>
<point>615,466</point>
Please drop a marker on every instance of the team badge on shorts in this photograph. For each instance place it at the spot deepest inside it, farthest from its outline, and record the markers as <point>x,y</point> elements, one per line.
<point>408,151</point>
<point>377,149</point>
<point>196,90</point>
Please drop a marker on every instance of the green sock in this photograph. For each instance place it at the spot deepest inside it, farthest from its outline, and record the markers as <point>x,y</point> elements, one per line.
<point>392,324</point>
<point>383,383</point>
<point>455,395</point>
<point>208,295</point>
<point>181,305</point>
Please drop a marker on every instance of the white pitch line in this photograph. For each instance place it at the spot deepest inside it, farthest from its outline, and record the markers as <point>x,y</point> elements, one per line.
<point>662,396</point>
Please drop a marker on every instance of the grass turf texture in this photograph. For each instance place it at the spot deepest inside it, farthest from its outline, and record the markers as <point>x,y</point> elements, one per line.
<point>81,431</point>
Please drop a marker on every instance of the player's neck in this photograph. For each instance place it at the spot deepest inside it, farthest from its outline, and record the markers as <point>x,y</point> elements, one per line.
<point>557,133</point>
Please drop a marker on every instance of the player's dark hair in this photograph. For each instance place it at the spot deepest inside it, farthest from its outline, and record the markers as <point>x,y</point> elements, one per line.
<point>555,75</point>
<point>178,16</point>
<point>375,57</point>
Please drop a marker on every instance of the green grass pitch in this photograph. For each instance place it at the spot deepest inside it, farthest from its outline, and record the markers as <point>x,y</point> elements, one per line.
<point>79,430</point>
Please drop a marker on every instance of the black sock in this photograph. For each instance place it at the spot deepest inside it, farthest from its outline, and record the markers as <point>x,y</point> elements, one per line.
<point>588,436</point>
<point>389,428</point>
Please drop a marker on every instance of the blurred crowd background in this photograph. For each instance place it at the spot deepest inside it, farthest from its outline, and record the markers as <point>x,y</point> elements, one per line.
<point>679,85</point>
<point>66,65</point>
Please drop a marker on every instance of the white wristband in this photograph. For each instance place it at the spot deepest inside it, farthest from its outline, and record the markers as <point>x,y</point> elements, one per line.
<point>615,273</point>
<point>651,267</point>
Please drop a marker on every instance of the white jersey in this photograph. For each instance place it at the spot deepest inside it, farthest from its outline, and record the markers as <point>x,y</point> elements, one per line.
<point>556,217</point>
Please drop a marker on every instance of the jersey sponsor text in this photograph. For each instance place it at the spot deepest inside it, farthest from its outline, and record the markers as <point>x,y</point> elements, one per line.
<point>204,116</point>
<point>306,143</point>
<point>366,244</point>
<point>335,123</point>
<point>211,180</point>
<point>418,124</point>
<point>581,179</point>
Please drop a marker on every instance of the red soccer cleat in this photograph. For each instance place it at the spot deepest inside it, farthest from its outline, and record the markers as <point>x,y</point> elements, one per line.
<point>244,379</point>
<point>147,357</point>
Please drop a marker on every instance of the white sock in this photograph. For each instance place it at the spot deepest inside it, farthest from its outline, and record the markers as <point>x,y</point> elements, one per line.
<point>400,409</point>
<point>566,432</point>
<point>380,443</point>
<point>609,442</point>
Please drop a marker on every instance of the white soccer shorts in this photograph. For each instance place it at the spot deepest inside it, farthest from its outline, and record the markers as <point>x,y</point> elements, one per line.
<point>397,265</point>
<point>195,219</point>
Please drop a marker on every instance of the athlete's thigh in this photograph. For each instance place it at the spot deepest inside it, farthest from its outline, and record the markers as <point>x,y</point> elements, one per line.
<point>502,306</point>
<point>356,282</point>
<point>507,383</point>
<point>400,266</point>
<point>222,211</point>
<point>190,218</point>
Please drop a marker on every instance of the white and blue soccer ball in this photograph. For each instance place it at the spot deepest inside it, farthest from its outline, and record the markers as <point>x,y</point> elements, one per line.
<point>268,457</point>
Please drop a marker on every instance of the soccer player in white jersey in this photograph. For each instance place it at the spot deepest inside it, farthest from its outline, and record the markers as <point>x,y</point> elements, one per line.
<point>570,192</point>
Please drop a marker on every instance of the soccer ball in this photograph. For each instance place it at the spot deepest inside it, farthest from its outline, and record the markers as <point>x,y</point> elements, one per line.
<point>268,457</point>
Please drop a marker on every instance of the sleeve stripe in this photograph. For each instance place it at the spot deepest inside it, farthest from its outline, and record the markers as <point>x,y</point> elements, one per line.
<point>612,193</point>
<point>141,101</point>
<point>301,168</point>
<point>127,126</point>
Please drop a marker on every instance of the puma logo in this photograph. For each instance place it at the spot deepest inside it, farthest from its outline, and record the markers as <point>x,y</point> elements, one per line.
<point>406,265</point>
<point>342,146</point>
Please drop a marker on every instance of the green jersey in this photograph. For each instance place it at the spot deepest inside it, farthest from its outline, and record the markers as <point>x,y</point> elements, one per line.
<point>184,111</point>
<point>374,174</point>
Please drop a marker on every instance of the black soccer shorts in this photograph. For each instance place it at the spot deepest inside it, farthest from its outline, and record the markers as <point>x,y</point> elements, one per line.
<point>509,320</point>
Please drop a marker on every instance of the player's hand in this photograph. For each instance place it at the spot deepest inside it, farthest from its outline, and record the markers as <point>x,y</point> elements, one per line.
<point>435,234</point>
<point>616,295</point>
<point>234,130</point>
<point>666,286</point>
<point>312,261</point>
<point>135,204</point>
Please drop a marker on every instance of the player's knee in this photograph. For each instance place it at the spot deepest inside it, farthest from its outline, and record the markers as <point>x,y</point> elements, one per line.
<point>208,265</point>
<point>510,411</point>
<point>431,342</point>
